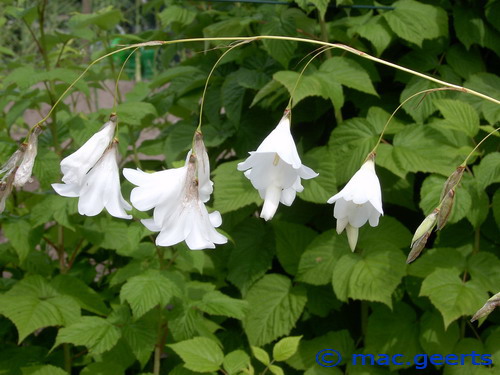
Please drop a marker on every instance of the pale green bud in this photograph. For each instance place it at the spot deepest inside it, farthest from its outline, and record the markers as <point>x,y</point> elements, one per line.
<point>445,210</point>
<point>488,307</point>
<point>425,227</point>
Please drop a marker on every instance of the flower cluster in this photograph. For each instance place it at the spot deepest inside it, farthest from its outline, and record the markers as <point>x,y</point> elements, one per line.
<point>177,196</point>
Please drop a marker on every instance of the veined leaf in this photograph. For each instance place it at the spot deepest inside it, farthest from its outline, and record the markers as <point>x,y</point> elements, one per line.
<point>199,354</point>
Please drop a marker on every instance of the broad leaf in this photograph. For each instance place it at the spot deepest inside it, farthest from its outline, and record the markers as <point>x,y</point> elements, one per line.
<point>199,354</point>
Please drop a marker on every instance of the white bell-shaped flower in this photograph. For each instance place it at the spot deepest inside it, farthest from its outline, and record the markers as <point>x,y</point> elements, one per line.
<point>75,166</point>
<point>178,201</point>
<point>99,188</point>
<point>358,202</point>
<point>275,169</point>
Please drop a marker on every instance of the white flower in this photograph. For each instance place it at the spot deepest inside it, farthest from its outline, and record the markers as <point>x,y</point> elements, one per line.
<point>75,166</point>
<point>23,173</point>
<point>177,198</point>
<point>358,202</point>
<point>99,188</point>
<point>275,169</point>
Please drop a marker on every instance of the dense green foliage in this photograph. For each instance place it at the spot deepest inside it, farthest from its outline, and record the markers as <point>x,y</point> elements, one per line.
<point>94,295</point>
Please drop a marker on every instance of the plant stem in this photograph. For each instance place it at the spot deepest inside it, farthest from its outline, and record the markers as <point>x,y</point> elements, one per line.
<point>67,357</point>
<point>160,342</point>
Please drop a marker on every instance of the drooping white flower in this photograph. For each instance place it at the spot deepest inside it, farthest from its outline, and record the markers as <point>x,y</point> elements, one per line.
<point>177,196</point>
<point>275,169</point>
<point>23,173</point>
<point>75,166</point>
<point>358,202</point>
<point>99,188</point>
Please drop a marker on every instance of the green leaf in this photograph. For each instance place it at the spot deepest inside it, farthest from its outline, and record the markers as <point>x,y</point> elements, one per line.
<point>18,234</point>
<point>305,358</point>
<point>451,296</point>
<point>29,313</point>
<point>348,73</point>
<point>471,29</point>
<point>43,370</point>
<point>103,368</point>
<point>261,355</point>
<point>233,190</point>
<point>285,348</point>
<point>488,171</point>
<point>393,332</point>
<point>51,206</point>
<point>291,240</point>
<point>377,32</point>
<point>199,354</point>
<point>478,211</point>
<point>459,115</point>
<point>484,268</point>
<point>282,23</point>
<point>388,230</point>
<point>434,338</point>
<point>318,260</point>
<point>252,255</point>
<point>449,258</point>
<point>320,5</point>
<point>492,344</point>
<point>319,189</point>
<point>216,303</point>
<point>133,113</point>
<point>174,13</point>
<point>276,307</point>
<point>141,337</point>
<point>431,192</point>
<point>232,97</point>
<point>236,361</point>
<point>276,370</point>
<point>97,334</point>
<point>496,206</point>
<point>414,21</point>
<point>372,275</point>
<point>419,109</point>
<point>147,290</point>
<point>46,168</point>
<point>86,297</point>
<point>106,18</point>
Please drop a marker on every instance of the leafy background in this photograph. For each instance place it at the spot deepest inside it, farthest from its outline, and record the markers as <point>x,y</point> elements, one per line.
<point>94,295</point>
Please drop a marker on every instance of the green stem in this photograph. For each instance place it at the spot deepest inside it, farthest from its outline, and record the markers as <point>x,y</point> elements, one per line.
<point>116,96</point>
<point>374,150</point>
<point>273,37</point>
<point>324,33</point>
<point>208,79</point>
<point>67,357</point>
<point>477,146</point>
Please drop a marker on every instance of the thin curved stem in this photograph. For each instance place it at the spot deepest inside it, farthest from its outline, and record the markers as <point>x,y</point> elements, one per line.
<point>271,37</point>
<point>208,79</point>
<point>477,146</point>
<point>374,150</point>
<point>115,96</point>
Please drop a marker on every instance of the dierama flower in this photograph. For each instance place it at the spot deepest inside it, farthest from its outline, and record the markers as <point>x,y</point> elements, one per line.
<point>275,169</point>
<point>75,166</point>
<point>358,202</point>
<point>99,188</point>
<point>23,173</point>
<point>177,196</point>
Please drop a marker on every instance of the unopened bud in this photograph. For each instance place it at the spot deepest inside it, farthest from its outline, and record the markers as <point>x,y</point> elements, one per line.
<point>452,181</point>
<point>445,211</point>
<point>25,169</point>
<point>425,227</point>
<point>418,246</point>
<point>488,307</point>
<point>6,188</point>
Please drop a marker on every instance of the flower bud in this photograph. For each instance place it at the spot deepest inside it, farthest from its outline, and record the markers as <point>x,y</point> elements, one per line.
<point>203,167</point>
<point>425,227</point>
<point>488,307</point>
<point>445,210</point>
<point>23,174</point>
<point>417,247</point>
<point>452,181</point>
<point>6,188</point>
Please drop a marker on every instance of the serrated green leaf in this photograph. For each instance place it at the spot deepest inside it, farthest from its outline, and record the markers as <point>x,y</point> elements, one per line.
<point>276,307</point>
<point>434,338</point>
<point>233,190</point>
<point>291,241</point>
<point>488,170</point>
<point>199,354</point>
<point>318,261</point>
<point>285,348</point>
<point>276,370</point>
<point>372,275</point>
<point>322,187</point>
<point>97,334</point>
<point>377,32</point>
<point>459,115</point>
<point>252,255</point>
<point>18,234</point>
<point>30,313</point>
<point>484,268</point>
<point>261,355</point>
<point>133,113</point>
<point>87,298</point>
<point>232,97</point>
<point>451,296</point>
<point>415,21</point>
<point>147,290</point>
<point>446,258</point>
<point>174,13</point>
<point>236,361</point>
<point>141,336</point>
<point>393,332</point>
<point>217,303</point>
